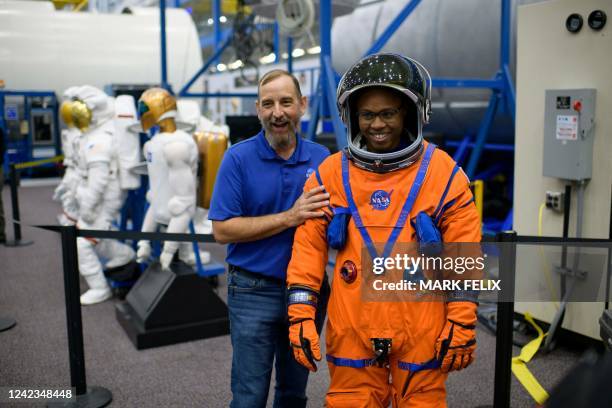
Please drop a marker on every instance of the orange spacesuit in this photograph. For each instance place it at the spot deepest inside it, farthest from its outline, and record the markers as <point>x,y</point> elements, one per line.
<point>422,340</point>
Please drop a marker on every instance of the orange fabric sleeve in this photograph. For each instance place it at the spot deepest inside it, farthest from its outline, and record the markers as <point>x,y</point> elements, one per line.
<point>309,256</point>
<point>460,221</point>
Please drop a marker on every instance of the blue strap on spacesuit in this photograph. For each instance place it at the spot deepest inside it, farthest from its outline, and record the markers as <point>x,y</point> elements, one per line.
<point>441,208</point>
<point>337,230</point>
<point>470,201</point>
<point>318,176</point>
<point>338,225</point>
<point>368,362</point>
<point>426,227</point>
<point>414,192</point>
<point>428,235</point>
<point>401,221</point>
<point>349,362</point>
<point>415,367</point>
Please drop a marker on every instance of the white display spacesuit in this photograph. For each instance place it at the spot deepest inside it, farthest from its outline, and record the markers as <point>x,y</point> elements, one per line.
<point>66,190</point>
<point>99,194</point>
<point>172,162</point>
<point>203,129</point>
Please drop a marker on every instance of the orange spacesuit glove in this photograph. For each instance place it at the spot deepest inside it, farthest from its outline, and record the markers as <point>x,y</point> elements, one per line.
<point>303,335</point>
<point>456,346</point>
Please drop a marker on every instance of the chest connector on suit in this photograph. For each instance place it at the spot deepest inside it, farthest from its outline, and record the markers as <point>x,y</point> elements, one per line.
<point>348,271</point>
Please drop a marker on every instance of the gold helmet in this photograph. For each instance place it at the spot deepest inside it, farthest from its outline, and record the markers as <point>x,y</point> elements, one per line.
<point>66,113</point>
<point>155,105</point>
<point>81,114</point>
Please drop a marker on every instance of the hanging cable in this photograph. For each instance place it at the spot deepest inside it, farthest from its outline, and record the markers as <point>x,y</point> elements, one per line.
<point>250,40</point>
<point>295,18</point>
<point>544,259</point>
<point>243,41</point>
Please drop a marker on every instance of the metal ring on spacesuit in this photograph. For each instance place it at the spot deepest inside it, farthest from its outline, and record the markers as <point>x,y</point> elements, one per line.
<point>348,271</point>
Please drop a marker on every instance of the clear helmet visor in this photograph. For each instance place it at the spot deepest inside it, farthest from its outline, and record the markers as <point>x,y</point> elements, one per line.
<point>401,75</point>
<point>411,134</point>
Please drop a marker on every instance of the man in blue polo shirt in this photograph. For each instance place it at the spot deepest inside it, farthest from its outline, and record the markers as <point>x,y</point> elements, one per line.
<point>256,205</point>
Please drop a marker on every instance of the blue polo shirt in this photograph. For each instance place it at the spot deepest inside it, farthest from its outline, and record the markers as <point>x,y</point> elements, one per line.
<point>252,181</point>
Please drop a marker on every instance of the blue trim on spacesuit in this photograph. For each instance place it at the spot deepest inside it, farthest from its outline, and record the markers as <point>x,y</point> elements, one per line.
<point>437,213</point>
<point>369,362</point>
<point>415,367</point>
<point>414,192</point>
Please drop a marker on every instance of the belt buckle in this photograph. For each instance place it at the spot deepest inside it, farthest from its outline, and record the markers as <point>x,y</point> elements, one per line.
<point>382,349</point>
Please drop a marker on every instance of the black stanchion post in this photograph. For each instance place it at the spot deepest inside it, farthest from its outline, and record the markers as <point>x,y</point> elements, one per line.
<point>6,323</point>
<point>73,309</point>
<point>14,180</point>
<point>609,271</point>
<point>505,318</point>
<point>14,177</point>
<point>85,397</point>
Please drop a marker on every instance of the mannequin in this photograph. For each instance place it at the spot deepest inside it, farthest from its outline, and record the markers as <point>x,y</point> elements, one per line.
<point>99,194</point>
<point>66,190</point>
<point>172,163</point>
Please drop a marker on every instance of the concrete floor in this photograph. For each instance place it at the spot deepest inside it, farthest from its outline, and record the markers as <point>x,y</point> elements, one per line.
<point>197,373</point>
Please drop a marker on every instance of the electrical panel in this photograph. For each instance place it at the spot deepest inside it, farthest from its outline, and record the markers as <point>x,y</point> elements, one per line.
<point>568,133</point>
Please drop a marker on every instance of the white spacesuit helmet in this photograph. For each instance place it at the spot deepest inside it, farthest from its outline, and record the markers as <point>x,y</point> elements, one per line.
<point>412,82</point>
<point>91,107</point>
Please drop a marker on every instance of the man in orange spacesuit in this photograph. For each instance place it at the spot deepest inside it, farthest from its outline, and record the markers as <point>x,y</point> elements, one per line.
<point>379,186</point>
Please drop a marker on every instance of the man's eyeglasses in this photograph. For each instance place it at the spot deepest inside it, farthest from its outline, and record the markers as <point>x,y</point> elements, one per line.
<point>387,115</point>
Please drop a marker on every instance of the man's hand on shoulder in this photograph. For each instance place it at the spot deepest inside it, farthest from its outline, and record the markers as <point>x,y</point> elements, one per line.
<point>307,206</point>
<point>247,229</point>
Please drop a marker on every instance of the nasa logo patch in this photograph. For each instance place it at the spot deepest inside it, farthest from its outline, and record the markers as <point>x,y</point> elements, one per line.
<point>309,172</point>
<point>380,200</point>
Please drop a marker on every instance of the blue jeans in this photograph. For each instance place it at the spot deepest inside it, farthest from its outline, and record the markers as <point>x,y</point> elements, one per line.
<point>260,337</point>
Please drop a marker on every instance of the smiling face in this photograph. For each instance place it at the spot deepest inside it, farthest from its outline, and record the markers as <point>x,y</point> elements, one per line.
<point>279,108</point>
<point>381,119</point>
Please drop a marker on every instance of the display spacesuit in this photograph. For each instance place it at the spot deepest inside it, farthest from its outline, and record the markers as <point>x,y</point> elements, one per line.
<point>172,163</point>
<point>99,194</point>
<point>66,190</point>
<point>211,140</point>
<point>414,343</point>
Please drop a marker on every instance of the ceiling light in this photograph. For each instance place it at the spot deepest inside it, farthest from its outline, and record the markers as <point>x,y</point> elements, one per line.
<point>221,67</point>
<point>268,59</point>
<point>314,50</point>
<point>235,65</point>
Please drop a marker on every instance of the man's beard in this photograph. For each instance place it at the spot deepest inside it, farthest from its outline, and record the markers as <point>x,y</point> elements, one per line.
<point>279,140</point>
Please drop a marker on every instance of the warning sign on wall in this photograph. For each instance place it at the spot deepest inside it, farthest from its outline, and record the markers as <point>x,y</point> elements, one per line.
<point>567,127</point>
